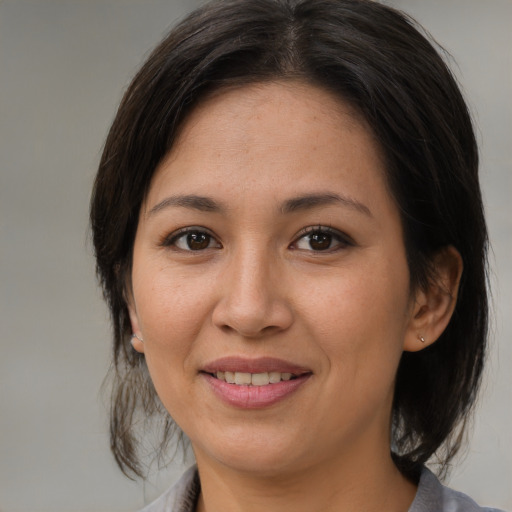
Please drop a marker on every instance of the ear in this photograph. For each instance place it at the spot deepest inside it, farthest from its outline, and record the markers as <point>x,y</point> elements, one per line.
<point>433,307</point>
<point>137,339</point>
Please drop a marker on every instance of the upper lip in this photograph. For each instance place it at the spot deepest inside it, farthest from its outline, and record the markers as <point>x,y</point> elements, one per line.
<point>257,365</point>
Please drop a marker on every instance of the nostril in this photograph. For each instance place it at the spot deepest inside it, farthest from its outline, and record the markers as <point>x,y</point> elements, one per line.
<point>252,312</point>
<point>254,333</point>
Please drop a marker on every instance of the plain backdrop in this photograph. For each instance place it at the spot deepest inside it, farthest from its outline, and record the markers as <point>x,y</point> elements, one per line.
<point>63,67</point>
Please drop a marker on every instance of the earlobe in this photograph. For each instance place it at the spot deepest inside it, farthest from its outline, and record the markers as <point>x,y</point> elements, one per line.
<point>137,339</point>
<point>434,306</point>
<point>137,343</point>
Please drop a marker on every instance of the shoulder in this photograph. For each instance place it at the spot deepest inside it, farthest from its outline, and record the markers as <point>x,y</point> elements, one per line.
<point>432,496</point>
<point>181,497</point>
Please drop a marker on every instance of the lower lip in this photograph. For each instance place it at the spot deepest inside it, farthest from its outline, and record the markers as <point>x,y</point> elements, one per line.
<point>254,397</point>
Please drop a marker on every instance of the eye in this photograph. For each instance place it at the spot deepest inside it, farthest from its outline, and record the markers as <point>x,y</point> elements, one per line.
<point>320,239</point>
<point>192,239</point>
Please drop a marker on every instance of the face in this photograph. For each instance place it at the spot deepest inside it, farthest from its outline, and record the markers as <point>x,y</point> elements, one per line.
<point>270,282</point>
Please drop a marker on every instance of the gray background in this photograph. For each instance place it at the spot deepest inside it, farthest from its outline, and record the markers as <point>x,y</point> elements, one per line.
<point>63,67</point>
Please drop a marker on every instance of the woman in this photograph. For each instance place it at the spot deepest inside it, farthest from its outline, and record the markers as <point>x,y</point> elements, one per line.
<point>289,233</point>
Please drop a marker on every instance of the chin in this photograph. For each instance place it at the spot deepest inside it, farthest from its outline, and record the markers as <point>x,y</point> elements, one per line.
<point>257,453</point>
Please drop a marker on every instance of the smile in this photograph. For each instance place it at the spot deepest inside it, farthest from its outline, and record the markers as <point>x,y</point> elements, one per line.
<point>254,379</point>
<point>254,383</point>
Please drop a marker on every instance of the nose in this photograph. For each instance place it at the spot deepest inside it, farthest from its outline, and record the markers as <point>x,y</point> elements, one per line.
<point>253,301</point>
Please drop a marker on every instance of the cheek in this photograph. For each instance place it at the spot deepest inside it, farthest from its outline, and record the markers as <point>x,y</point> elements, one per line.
<point>360,315</point>
<point>170,314</point>
<point>168,304</point>
<point>171,311</point>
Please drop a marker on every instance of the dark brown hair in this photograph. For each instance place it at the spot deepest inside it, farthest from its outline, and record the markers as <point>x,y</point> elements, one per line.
<point>374,58</point>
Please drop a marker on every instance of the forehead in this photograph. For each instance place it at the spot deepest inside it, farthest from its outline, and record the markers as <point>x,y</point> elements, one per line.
<point>293,105</point>
<point>280,134</point>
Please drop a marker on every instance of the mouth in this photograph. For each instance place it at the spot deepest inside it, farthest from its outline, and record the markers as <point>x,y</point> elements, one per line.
<point>253,379</point>
<point>254,383</point>
<point>254,372</point>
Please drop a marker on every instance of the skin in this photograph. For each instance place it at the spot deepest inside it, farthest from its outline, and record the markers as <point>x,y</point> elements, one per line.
<point>259,287</point>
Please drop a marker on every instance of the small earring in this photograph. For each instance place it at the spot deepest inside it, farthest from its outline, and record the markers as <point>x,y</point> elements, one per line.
<point>421,338</point>
<point>136,337</point>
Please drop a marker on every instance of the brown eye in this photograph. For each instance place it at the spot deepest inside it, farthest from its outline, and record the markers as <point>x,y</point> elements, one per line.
<point>197,241</point>
<point>193,240</point>
<point>320,241</point>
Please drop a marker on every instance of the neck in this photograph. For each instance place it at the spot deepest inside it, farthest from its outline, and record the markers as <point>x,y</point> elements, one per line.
<point>366,485</point>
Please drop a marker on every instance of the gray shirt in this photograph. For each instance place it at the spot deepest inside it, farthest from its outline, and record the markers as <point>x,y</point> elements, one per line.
<point>431,496</point>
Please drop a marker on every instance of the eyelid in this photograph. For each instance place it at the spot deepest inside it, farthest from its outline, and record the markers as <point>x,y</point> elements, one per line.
<point>170,239</point>
<point>319,228</point>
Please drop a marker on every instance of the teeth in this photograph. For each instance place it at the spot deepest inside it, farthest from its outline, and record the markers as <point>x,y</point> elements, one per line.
<point>254,379</point>
<point>242,378</point>
<point>260,379</point>
<point>274,377</point>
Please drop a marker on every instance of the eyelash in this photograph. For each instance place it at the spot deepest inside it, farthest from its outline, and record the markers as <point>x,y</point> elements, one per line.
<point>343,240</point>
<point>173,238</point>
<point>333,235</point>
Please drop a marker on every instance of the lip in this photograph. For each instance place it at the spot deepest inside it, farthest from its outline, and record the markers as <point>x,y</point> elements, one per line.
<point>254,397</point>
<point>258,365</point>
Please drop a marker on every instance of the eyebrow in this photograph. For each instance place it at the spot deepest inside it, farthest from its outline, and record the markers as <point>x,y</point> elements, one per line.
<point>193,202</point>
<point>301,203</point>
<point>310,201</point>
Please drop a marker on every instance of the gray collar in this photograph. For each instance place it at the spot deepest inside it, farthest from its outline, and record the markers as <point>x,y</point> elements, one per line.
<point>431,496</point>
